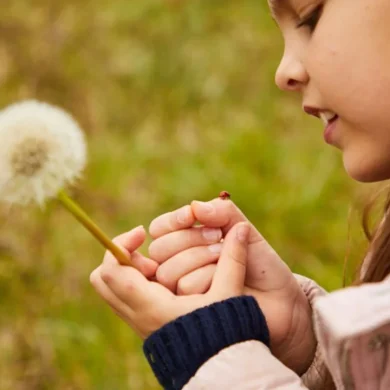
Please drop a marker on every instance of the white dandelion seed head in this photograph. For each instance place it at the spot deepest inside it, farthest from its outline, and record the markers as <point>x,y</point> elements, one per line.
<point>42,149</point>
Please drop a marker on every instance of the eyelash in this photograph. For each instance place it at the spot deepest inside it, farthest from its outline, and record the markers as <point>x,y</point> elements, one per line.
<point>312,20</point>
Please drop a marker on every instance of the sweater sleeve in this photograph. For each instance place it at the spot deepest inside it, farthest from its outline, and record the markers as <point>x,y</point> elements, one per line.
<point>250,365</point>
<point>177,350</point>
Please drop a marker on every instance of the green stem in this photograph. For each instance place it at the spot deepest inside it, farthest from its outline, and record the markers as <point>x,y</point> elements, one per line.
<point>82,217</point>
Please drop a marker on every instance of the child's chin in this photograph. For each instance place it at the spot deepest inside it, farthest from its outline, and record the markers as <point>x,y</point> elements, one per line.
<point>365,170</point>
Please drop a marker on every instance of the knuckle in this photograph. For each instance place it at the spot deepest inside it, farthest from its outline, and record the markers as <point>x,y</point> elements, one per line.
<point>129,287</point>
<point>106,274</point>
<point>189,238</point>
<point>181,216</point>
<point>172,221</point>
<point>226,204</point>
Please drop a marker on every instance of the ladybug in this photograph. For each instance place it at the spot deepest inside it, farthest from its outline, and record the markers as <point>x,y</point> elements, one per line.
<point>224,195</point>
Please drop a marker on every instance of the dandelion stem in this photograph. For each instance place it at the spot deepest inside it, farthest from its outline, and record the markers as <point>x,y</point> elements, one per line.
<point>82,217</point>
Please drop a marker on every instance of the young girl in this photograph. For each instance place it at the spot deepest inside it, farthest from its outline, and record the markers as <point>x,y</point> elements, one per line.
<point>231,315</point>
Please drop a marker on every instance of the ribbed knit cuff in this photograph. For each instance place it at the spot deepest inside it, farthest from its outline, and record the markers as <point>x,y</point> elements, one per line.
<point>177,350</point>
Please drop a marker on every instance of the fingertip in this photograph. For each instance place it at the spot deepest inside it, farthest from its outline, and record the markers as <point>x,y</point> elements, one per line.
<point>152,229</point>
<point>133,239</point>
<point>242,232</point>
<point>139,229</point>
<point>181,218</point>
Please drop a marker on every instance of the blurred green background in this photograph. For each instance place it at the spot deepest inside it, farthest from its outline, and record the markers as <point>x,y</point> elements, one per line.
<point>178,102</point>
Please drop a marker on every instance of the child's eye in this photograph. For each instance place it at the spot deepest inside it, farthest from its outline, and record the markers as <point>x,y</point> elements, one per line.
<point>312,20</point>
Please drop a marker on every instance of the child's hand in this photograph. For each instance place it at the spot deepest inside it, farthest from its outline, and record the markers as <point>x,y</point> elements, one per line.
<point>147,266</point>
<point>191,250</point>
<point>187,266</point>
<point>145,305</point>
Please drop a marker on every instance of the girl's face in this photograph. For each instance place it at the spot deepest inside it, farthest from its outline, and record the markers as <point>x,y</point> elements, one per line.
<point>337,55</point>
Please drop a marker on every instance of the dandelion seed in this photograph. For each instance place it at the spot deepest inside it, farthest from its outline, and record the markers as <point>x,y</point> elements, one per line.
<point>42,150</point>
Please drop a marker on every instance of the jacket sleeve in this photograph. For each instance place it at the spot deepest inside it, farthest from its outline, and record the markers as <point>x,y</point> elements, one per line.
<point>177,350</point>
<point>250,365</point>
<point>353,327</point>
<point>245,366</point>
<point>317,377</point>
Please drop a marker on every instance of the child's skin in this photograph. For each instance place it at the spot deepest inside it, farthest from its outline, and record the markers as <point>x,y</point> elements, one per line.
<point>343,66</point>
<point>339,61</point>
<point>146,305</point>
<point>268,278</point>
<point>180,250</point>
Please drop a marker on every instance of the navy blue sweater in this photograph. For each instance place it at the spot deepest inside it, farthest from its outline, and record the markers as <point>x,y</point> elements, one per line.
<point>177,350</point>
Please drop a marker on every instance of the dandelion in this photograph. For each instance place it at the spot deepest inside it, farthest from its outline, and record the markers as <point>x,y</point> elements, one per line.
<point>43,150</point>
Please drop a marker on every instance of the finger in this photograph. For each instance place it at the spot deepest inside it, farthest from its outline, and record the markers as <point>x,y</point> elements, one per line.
<point>132,239</point>
<point>175,220</point>
<point>218,213</point>
<point>230,274</point>
<point>129,242</point>
<point>169,273</point>
<point>223,214</point>
<point>196,282</point>
<point>127,284</point>
<point>146,266</point>
<point>101,288</point>
<point>117,306</point>
<point>167,246</point>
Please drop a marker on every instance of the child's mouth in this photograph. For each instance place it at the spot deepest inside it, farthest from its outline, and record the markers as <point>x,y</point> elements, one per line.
<point>329,119</point>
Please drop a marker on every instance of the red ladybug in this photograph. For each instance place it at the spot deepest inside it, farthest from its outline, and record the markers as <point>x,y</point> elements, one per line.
<point>224,195</point>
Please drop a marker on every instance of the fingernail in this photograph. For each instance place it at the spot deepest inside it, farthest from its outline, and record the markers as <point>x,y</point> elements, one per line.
<point>243,233</point>
<point>183,215</point>
<point>215,248</point>
<point>208,208</point>
<point>212,234</point>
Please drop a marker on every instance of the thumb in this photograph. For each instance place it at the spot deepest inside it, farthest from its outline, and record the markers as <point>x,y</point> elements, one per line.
<point>218,213</point>
<point>230,274</point>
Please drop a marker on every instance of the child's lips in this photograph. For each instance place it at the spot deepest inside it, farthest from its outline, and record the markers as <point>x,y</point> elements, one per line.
<point>330,129</point>
<point>329,119</point>
<point>327,116</point>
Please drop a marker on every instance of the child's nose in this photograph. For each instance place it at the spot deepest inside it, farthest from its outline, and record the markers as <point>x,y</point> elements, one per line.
<point>291,75</point>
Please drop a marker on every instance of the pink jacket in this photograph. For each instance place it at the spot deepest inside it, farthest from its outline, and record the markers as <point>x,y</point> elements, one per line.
<point>353,332</point>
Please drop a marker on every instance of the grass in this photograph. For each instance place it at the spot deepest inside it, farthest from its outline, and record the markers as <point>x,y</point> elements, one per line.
<point>178,102</point>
